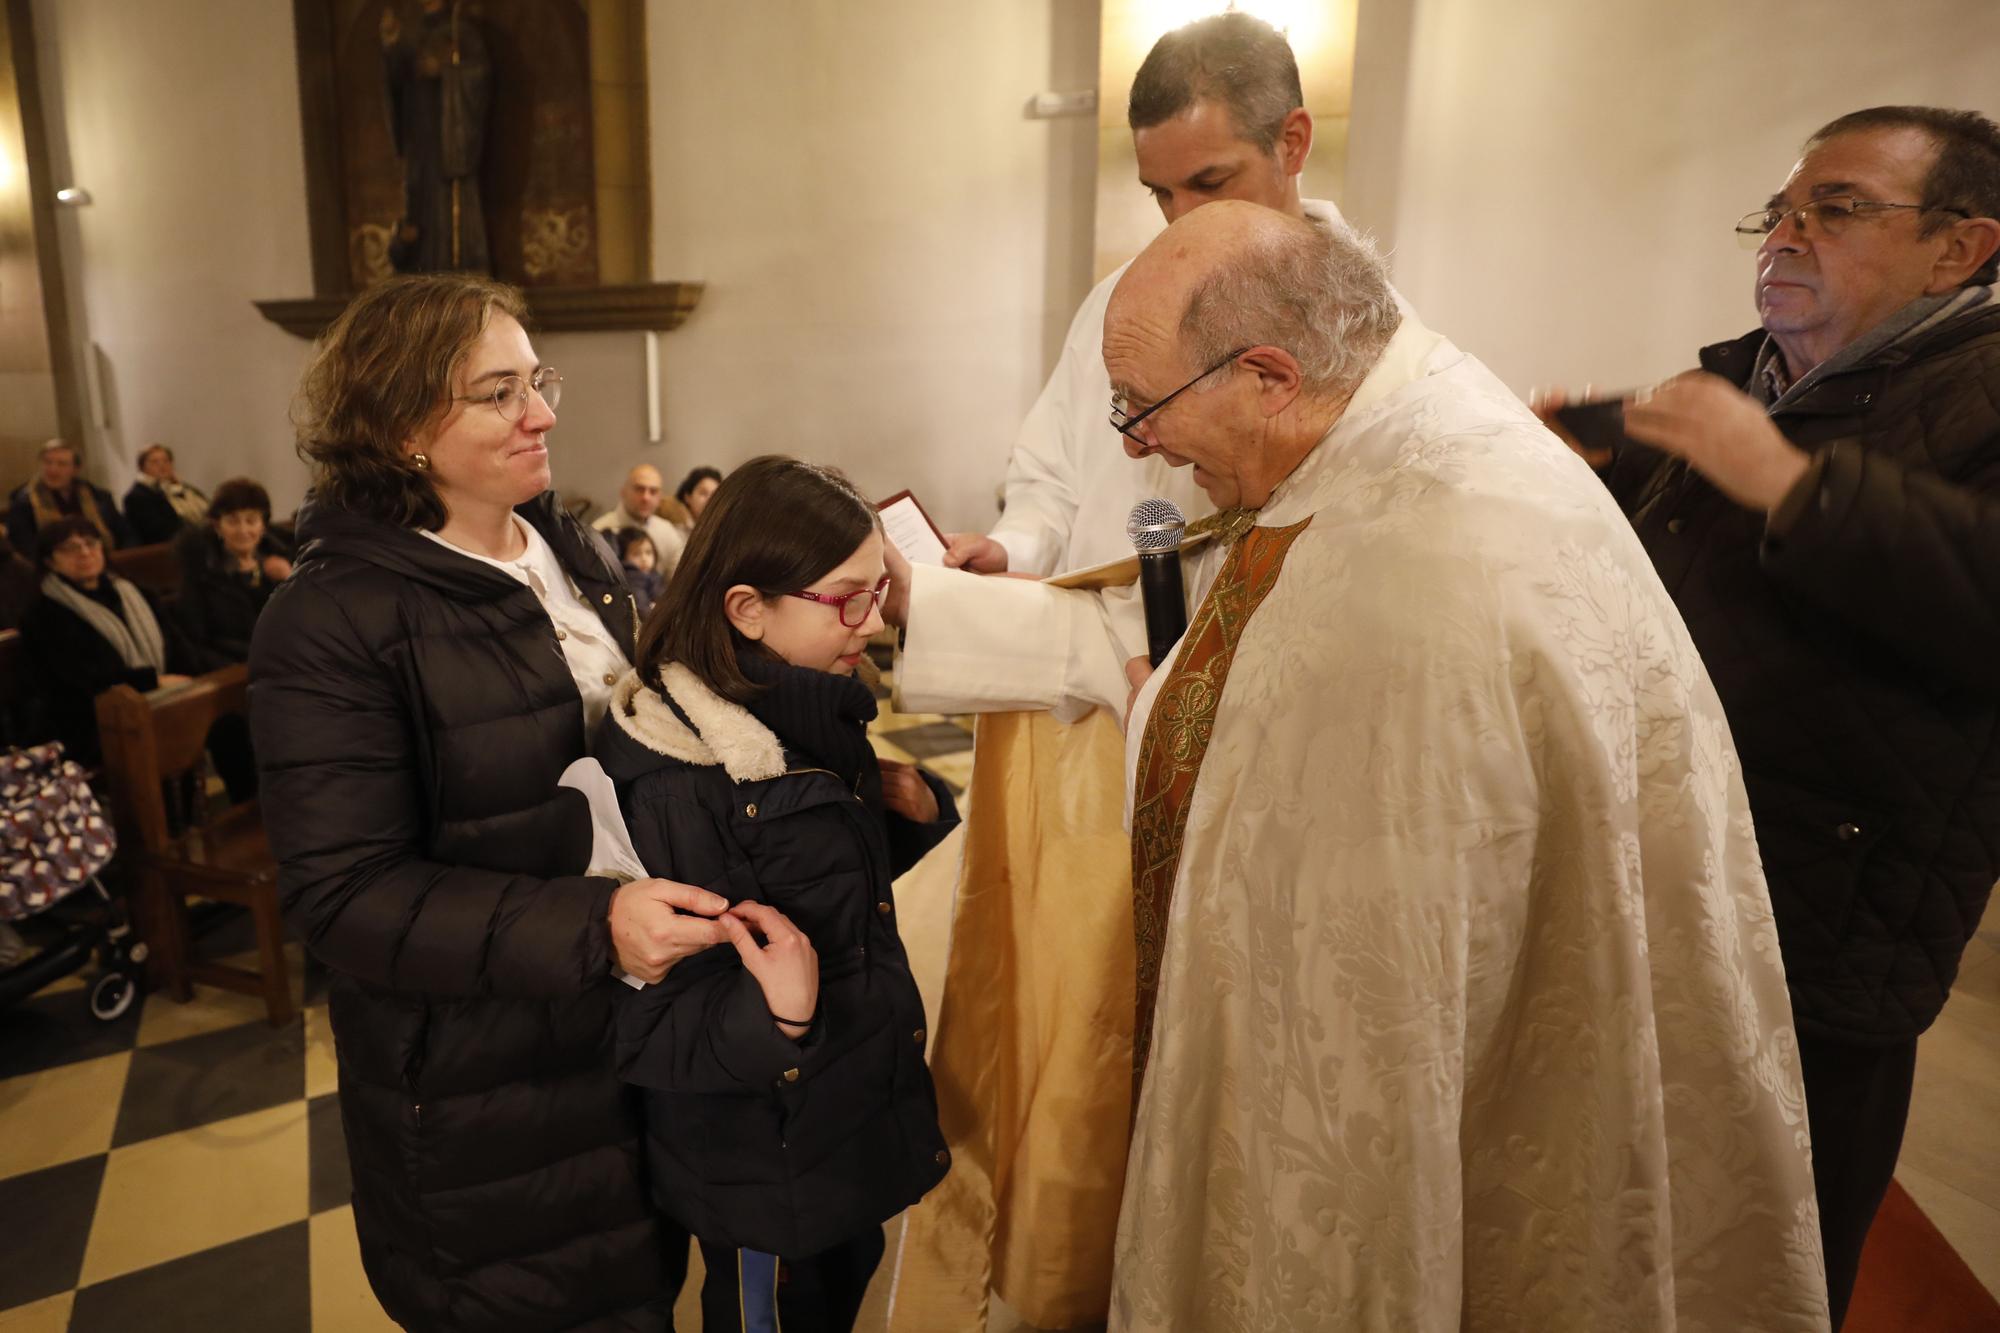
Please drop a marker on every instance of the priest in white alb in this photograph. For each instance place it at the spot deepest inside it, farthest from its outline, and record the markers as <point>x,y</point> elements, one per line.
<point>1033,1036</point>
<point>1460,1001</point>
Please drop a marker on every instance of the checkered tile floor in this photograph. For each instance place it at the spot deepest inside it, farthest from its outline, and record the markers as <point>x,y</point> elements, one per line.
<point>181,1168</point>
<point>184,1169</point>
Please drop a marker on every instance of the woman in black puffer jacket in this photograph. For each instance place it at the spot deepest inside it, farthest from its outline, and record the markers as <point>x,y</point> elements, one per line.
<point>789,1110</point>
<point>418,685</point>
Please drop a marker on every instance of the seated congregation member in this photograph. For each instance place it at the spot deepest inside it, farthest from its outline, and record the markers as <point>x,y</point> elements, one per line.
<point>418,686</point>
<point>693,494</point>
<point>230,565</point>
<point>160,504</point>
<point>639,507</point>
<point>640,559</point>
<point>59,492</point>
<point>1459,1005</point>
<point>90,630</point>
<point>789,1110</point>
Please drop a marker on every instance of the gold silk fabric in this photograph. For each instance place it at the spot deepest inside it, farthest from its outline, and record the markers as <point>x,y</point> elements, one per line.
<point>1034,1039</point>
<point>1175,743</point>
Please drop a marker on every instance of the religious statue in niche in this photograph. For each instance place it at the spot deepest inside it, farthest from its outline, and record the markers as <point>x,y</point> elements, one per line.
<point>440,81</point>
<point>505,134</point>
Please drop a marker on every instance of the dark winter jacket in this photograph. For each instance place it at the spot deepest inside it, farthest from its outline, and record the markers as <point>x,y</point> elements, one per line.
<point>22,525</point>
<point>412,713</point>
<point>151,515</point>
<point>647,586</point>
<point>755,1140</point>
<point>218,605</point>
<point>72,664</point>
<point>1855,642</point>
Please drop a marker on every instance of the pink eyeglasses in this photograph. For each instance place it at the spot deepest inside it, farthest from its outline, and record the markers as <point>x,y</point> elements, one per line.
<point>848,602</point>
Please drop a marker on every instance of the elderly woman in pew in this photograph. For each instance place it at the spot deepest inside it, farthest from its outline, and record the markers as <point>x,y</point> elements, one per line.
<point>160,506</point>
<point>89,630</point>
<point>230,565</point>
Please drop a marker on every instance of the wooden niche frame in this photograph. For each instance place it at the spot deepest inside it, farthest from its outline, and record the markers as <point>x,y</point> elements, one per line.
<point>616,236</point>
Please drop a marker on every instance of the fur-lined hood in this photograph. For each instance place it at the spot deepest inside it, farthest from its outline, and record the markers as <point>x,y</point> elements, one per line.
<point>640,730</point>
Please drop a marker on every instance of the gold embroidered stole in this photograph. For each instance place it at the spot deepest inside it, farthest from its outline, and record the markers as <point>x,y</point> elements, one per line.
<point>1174,745</point>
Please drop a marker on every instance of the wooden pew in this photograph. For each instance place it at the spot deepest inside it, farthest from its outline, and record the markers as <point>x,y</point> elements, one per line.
<point>152,741</point>
<point>156,568</point>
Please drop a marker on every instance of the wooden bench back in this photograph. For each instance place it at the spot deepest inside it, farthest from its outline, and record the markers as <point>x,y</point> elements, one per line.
<point>151,740</point>
<point>156,568</point>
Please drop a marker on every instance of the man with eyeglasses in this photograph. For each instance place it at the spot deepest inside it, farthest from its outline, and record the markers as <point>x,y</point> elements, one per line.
<point>1455,1005</point>
<point>1822,499</point>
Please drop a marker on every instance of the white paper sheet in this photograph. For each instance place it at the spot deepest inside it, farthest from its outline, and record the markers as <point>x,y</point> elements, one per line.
<point>904,523</point>
<point>611,852</point>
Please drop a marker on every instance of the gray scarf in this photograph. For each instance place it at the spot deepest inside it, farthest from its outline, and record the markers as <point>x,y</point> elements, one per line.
<point>1767,378</point>
<point>136,637</point>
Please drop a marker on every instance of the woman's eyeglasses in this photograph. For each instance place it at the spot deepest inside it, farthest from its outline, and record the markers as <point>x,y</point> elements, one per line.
<point>510,393</point>
<point>854,606</point>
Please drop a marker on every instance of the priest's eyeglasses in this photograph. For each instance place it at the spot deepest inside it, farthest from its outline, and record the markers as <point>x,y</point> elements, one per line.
<point>854,606</point>
<point>1828,215</point>
<point>510,393</point>
<point>1124,420</point>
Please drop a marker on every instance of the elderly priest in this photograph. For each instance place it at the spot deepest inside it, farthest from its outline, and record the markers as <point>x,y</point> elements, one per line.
<point>1460,1000</point>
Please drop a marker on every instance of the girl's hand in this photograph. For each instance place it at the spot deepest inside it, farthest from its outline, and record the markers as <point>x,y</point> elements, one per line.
<point>648,936</point>
<point>785,965</point>
<point>905,792</point>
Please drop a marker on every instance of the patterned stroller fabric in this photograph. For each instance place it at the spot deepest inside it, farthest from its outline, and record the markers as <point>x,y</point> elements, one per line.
<point>53,833</point>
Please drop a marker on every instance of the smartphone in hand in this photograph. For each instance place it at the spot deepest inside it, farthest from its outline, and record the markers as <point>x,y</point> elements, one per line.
<point>1598,427</point>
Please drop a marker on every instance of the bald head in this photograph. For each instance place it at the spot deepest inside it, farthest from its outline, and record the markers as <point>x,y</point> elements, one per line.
<point>1293,312</point>
<point>1234,275</point>
<point>641,491</point>
<point>1151,298</point>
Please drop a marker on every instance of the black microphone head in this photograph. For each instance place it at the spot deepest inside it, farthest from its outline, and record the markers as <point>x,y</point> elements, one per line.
<point>1155,525</point>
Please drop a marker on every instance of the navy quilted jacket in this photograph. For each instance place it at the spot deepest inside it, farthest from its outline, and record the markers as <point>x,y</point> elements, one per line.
<point>1855,641</point>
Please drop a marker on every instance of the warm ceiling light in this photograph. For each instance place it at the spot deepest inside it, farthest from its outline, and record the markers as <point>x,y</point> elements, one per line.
<point>1305,23</point>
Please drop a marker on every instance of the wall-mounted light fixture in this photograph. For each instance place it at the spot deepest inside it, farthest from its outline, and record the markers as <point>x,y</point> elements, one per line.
<point>73,195</point>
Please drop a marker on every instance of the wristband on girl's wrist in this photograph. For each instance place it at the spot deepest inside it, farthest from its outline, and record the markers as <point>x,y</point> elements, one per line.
<point>796,1022</point>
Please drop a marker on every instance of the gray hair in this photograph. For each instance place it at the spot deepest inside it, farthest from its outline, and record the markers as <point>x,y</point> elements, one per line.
<point>1315,289</point>
<point>1963,177</point>
<point>1236,59</point>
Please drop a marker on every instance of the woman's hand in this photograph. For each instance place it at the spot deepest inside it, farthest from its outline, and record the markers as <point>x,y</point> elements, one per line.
<point>277,568</point>
<point>648,936</point>
<point>905,792</point>
<point>785,965</point>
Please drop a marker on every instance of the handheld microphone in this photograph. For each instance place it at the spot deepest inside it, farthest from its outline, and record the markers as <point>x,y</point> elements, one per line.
<point>1155,527</point>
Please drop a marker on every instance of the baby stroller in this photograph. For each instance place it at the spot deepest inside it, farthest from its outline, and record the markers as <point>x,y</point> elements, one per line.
<point>54,840</point>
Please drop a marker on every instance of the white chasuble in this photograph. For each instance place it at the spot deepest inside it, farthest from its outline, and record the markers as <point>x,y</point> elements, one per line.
<point>1470,1013</point>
